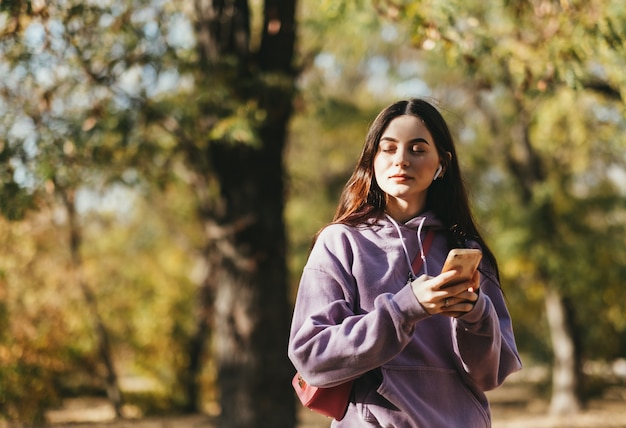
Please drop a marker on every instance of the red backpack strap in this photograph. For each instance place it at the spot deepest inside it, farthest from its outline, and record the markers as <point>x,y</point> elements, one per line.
<point>417,263</point>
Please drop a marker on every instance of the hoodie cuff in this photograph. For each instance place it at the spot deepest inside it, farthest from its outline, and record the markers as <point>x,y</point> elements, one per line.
<point>409,305</point>
<point>478,313</point>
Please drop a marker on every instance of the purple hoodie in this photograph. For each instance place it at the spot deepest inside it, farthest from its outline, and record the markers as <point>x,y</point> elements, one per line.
<point>356,317</point>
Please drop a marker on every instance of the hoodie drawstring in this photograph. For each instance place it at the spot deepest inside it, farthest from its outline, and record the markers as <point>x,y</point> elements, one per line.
<point>412,275</point>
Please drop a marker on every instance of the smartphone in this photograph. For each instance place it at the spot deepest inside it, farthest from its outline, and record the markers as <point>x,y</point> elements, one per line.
<point>464,260</point>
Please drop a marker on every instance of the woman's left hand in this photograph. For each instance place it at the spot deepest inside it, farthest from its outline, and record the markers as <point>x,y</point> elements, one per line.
<point>462,297</point>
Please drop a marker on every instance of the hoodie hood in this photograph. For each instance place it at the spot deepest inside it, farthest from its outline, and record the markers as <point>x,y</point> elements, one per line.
<point>428,219</point>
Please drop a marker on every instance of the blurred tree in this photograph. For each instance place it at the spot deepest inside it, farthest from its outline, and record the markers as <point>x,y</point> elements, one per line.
<point>142,89</point>
<point>246,129</point>
<point>543,88</point>
<point>48,140</point>
<point>29,357</point>
<point>104,351</point>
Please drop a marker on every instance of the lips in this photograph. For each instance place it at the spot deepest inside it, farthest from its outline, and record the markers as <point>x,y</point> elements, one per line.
<point>400,177</point>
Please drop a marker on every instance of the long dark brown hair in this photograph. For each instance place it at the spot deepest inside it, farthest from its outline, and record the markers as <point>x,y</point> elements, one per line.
<point>362,199</point>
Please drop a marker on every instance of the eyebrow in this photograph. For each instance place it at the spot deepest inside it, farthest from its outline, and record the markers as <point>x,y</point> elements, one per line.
<point>414,140</point>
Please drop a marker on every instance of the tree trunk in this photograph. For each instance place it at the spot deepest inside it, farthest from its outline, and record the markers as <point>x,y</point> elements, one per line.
<point>196,347</point>
<point>245,230</point>
<point>102,335</point>
<point>566,370</point>
<point>251,305</point>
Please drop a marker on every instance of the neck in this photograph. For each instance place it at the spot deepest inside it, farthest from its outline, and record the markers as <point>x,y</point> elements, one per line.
<point>403,212</point>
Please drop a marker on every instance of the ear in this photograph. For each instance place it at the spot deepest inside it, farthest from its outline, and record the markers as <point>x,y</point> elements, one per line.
<point>438,172</point>
<point>449,156</point>
<point>442,169</point>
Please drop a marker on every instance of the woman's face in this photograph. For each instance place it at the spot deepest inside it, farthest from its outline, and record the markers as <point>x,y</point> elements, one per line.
<point>405,165</point>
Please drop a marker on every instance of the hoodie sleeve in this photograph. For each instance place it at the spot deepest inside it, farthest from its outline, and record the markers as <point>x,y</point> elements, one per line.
<point>331,339</point>
<point>484,341</point>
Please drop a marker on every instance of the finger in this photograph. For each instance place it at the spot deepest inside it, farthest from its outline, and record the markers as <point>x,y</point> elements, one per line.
<point>457,309</point>
<point>467,295</point>
<point>458,288</point>
<point>446,277</point>
<point>453,303</point>
<point>456,284</point>
<point>427,292</point>
<point>475,281</point>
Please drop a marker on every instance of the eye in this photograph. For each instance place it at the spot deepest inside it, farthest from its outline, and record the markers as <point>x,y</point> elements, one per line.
<point>387,148</point>
<point>417,148</point>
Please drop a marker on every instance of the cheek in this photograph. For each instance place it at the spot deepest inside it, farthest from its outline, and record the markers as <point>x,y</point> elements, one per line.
<point>431,163</point>
<point>379,167</point>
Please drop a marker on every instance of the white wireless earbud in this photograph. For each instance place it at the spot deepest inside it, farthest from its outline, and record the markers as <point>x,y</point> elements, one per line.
<point>438,172</point>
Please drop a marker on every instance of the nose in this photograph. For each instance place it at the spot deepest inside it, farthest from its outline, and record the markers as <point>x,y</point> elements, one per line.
<point>401,158</point>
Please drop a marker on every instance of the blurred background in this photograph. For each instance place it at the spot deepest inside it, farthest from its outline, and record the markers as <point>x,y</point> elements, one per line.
<point>165,165</point>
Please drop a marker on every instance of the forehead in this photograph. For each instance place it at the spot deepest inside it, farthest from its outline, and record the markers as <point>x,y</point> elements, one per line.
<point>407,128</point>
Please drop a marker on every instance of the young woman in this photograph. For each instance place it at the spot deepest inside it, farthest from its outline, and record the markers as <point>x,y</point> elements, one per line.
<point>421,351</point>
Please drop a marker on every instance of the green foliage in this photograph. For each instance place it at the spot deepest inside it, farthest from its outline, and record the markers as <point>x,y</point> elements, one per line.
<point>329,134</point>
<point>25,392</point>
<point>74,78</point>
<point>526,44</point>
<point>540,87</point>
<point>140,269</point>
<point>240,127</point>
<point>32,328</point>
<point>100,97</point>
<point>14,199</point>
